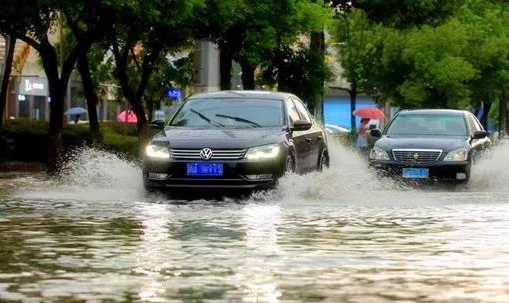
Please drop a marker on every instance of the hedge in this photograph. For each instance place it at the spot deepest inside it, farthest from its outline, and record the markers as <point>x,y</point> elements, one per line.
<point>27,140</point>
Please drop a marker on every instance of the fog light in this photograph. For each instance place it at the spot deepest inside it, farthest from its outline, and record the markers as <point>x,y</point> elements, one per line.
<point>157,176</point>
<point>461,176</point>
<point>259,177</point>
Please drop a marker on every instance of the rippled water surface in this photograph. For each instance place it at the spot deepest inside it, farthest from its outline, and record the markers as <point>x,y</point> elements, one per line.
<point>340,236</point>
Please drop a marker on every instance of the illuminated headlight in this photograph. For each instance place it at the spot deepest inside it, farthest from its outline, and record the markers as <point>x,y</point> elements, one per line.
<point>263,152</point>
<point>157,151</point>
<point>378,154</point>
<point>457,155</point>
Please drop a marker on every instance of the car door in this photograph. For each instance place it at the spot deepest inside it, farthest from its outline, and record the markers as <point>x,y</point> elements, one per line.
<point>302,147</point>
<point>314,136</point>
<point>479,146</point>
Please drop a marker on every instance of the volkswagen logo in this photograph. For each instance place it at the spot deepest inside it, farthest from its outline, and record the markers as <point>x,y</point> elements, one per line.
<point>206,153</point>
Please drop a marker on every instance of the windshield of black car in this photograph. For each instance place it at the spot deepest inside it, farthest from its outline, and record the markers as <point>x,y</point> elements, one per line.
<point>440,124</point>
<point>230,113</point>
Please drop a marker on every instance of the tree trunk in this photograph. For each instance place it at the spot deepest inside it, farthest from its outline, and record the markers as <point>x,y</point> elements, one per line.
<point>503,114</point>
<point>248,75</point>
<point>225,68</point>
<point>150,109</point>
<point>353,103</point>
<point>92,99</point>
<point>4,93</point>
<point>485,115</point>
<point>144,133</point>
<point>57,87</point>
<point>56,121</point>
<point>317,48</point>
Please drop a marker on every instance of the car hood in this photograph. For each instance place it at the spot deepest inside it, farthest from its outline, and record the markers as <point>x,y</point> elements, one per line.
<point>220,138</point>
<point>447,143</point>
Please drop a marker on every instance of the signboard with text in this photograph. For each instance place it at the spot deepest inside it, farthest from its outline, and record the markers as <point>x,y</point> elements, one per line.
<point>33,86</point>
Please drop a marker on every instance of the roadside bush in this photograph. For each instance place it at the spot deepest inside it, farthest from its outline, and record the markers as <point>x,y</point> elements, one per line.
<point>119,143</point>
<point>128,129</point>
<point>27,140</point>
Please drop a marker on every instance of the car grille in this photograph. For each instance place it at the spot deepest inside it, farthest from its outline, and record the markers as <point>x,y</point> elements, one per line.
<point>217,154</point>
<point>416,155</point>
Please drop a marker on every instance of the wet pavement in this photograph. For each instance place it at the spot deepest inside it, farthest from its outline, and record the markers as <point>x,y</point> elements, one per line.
<point>340,236</point>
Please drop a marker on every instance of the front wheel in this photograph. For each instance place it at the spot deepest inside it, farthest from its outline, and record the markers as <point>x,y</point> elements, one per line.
<point>323,161</point>
<point>290,164</point>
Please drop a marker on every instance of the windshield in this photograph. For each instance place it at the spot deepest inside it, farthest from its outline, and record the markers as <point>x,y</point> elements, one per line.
<point>428,124</point>
<point>230,113</point>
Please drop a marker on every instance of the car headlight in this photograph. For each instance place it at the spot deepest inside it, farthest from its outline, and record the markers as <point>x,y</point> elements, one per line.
<point>263,152</point>
<point>457,155</point>
<point>378,154</point>
<point>157,151</point>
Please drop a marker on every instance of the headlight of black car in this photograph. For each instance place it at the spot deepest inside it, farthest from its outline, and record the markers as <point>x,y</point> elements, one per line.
<point>157,151</point>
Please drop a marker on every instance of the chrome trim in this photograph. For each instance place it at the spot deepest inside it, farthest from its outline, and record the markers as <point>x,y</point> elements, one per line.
<point>217,154</point>
<point>428,159</point>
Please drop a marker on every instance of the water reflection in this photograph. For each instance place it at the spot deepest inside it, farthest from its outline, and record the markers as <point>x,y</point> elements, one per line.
<point>152,255</point>
<point>336,237</point>
<point>258,274</point>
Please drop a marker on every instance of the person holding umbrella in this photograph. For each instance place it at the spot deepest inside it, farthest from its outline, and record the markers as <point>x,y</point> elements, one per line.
<point>362,139</point>
<point>366,114</point>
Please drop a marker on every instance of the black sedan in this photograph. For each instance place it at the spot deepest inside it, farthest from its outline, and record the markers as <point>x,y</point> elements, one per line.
<point>430,144</point>
<point>235,139</point>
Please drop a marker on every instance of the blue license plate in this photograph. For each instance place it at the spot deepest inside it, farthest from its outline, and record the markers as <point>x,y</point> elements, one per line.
<point>204,169</point>
<point>416,173</point>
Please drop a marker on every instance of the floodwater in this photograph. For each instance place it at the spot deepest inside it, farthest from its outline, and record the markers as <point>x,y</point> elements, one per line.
<point>339,236</point>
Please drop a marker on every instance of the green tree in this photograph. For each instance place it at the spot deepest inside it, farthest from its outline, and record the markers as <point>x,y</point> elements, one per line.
<point>250,31</point>
<point>33,22</point>
<point>488,50</point>
<point>145,32</point>
<point>357,39</point>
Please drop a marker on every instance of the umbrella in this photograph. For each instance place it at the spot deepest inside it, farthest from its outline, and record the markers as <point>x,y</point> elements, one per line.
<point>369,113</point>
<point>74,111</point>
<point>129,117</point>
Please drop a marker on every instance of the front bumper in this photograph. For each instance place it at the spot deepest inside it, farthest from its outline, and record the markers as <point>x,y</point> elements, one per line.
<point>453,171</point>
<point>237,174</point>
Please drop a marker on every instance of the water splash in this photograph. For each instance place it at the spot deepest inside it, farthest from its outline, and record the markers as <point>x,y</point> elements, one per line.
<point>492,172</point>
<point>348,174</point>
<point>96,175</point>
<point>93,175</point>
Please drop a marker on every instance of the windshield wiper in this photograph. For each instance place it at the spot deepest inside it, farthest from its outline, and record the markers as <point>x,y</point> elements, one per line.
<point>239,119</point>
<point>210,121</point>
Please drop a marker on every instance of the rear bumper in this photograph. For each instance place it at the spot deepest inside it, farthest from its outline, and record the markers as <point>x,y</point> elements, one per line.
<point>459,171</point>
<point>239,174</point>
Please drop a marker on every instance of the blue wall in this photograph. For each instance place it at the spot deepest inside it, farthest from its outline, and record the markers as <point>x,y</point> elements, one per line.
<point>337,109</point>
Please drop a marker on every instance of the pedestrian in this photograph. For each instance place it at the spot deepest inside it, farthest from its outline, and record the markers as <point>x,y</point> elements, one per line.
<point>76,119</point>
<point>362,139</point>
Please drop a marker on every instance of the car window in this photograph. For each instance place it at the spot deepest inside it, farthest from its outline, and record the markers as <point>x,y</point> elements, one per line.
<point>438,124</point>
<point>303,112</point>
<point>474,125</point>
<point>293,113</point>
<point>230,113</point>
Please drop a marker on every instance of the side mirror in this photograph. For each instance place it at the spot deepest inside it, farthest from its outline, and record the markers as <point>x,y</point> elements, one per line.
<point>375,133</point>
<point>480,134</point>
<point>300,125</point>
<point>157,124</point>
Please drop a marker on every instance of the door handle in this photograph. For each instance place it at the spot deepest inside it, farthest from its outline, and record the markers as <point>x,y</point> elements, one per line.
<point>308,140</point>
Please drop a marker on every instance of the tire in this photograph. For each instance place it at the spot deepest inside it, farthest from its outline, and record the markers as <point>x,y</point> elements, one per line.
<point>290,164</point>
<point>323,161</point>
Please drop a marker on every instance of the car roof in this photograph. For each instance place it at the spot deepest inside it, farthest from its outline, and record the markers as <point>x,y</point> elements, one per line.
<point>258,94</point>
<point>435,111</point>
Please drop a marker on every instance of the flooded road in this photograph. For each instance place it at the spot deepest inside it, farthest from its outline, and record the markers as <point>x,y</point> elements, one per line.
<point>340,236</point>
